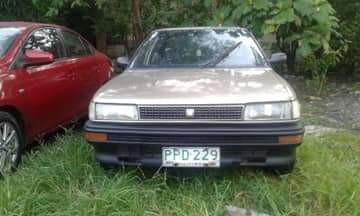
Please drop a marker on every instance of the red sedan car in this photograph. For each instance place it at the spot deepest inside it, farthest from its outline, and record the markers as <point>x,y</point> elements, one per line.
<point>48,75</point>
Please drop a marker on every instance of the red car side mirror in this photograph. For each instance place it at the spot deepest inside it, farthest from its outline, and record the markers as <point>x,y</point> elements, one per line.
<point>38,57</point>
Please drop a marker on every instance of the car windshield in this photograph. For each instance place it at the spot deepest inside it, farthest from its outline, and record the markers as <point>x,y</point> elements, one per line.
<point>233,47</point>
<point>7,37</point>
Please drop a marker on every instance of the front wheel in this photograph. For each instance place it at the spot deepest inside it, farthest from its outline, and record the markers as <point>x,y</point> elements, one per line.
<point>10,143</point>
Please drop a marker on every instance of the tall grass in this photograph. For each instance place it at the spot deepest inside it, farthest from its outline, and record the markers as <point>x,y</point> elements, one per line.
<point>63,179</point>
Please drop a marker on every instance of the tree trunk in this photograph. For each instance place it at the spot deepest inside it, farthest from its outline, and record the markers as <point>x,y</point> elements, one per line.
<point>136,21</point>
<point>289,48</point>
<point>291,60</point>
<point>101,41</point>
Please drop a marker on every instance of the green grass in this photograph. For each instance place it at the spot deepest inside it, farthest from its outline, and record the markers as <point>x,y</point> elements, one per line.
<point>63,179</point>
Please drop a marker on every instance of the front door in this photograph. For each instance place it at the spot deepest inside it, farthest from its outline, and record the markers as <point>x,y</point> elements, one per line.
<point>47,88</point>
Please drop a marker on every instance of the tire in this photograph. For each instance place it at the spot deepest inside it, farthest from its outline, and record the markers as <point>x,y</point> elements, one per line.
<point>11,147</point>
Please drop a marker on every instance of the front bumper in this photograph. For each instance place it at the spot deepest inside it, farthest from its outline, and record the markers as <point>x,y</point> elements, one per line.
<point>140,144</point>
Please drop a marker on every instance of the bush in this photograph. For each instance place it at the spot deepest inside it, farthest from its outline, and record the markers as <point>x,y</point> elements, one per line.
<point>348,13</point>
<point>318,68</point>
<point>302,27</point>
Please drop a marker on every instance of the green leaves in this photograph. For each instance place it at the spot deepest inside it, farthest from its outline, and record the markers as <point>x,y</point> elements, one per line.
<point>304,7</point>
<point>302,26</point>
<point>262,4</point>
<point>323,13</point>
<point>267,29</point>
<point>283,17</point>
<point>52,12</point>
<point>222,14</point>
<point>208,3</point>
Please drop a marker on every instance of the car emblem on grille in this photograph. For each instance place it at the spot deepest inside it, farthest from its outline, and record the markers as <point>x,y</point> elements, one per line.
<point>190,113</point>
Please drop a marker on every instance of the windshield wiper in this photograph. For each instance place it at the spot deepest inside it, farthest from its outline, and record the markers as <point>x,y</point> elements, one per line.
<point>217,60</point>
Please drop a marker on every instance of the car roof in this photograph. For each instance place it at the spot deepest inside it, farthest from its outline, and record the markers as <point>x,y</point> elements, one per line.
<point>200,28</point>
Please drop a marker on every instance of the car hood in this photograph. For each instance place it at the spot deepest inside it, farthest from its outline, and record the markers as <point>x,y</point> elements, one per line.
<point>195,86</point>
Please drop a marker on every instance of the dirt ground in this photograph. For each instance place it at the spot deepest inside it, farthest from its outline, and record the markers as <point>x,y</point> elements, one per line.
<point>338,106</point>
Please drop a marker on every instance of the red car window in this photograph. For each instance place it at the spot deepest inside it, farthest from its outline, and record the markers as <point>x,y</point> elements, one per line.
<point>73,44</point>
<point>88,48</point>
<point>46,39</point>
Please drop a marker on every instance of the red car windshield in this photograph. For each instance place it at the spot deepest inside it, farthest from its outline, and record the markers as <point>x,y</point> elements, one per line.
<point>7,37</point>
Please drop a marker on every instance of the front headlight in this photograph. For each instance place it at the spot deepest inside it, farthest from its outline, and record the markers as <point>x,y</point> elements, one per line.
<point>113,112</point>
<point>272,111</point>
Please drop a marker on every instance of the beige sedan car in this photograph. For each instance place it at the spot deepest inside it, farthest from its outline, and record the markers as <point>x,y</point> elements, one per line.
<point>197,98</point>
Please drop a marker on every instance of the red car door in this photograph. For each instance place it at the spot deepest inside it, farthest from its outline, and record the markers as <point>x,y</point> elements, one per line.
<point>99,69</point>
<point>85,68</point>
<point>47,89</point>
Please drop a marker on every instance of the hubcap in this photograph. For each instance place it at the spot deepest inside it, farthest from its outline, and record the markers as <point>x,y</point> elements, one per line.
<point>9,144</point>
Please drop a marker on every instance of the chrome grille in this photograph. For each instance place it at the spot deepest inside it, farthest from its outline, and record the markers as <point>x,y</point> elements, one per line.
<point>190,112</point>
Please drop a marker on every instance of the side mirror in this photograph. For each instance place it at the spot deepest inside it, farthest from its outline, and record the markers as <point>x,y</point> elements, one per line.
<point>38,57</point>
<point>122,62</point>
<point>278,57</point>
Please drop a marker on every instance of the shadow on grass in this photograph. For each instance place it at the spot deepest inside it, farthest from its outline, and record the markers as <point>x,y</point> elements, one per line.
<point>188,174</point>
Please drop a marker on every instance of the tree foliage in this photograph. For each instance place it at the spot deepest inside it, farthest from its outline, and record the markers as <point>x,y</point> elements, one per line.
<point>302,27</point>
<point>14,9</point>
<point>349,15</point>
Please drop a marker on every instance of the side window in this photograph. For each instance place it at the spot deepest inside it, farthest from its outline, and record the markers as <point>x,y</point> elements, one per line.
<point>88,48</point>
<point>46,39</point>
<point>73,44</point>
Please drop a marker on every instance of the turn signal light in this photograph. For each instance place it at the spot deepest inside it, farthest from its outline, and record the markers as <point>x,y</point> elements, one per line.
<point>95,137</point>
<point>295,139</point>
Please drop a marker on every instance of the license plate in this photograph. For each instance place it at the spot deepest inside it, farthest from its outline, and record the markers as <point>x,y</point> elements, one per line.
<point>191,157</point>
